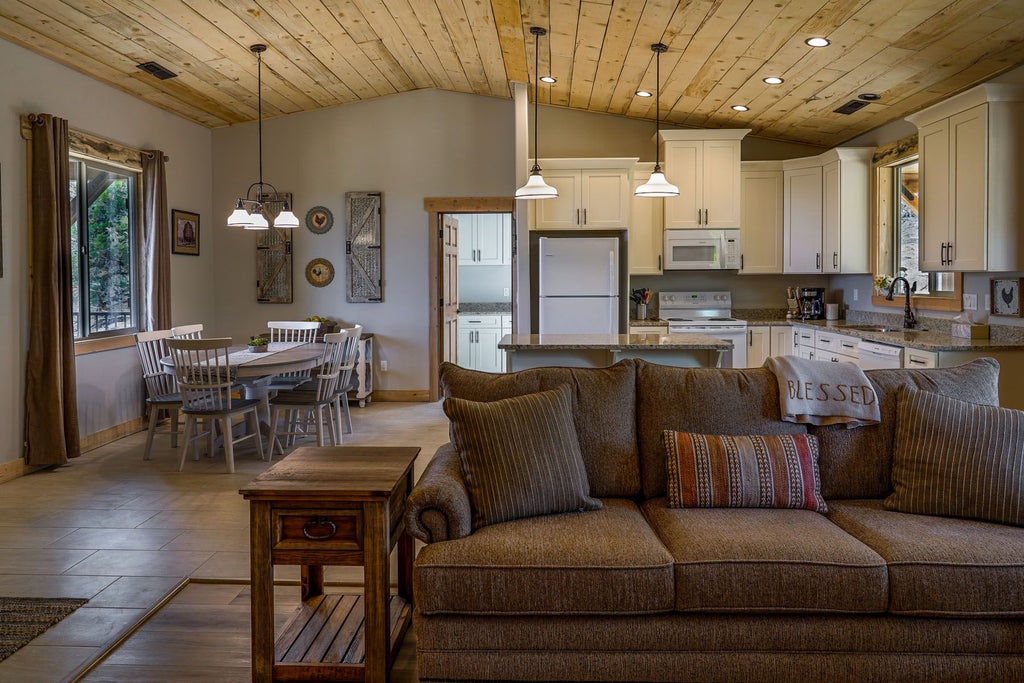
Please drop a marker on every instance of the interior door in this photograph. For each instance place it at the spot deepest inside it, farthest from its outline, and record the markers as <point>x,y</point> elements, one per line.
<point>449,288</point>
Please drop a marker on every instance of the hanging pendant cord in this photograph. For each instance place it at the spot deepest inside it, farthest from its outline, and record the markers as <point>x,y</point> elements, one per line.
<point>537,32</point>
<point>658,48</point>
<point>259,112</point>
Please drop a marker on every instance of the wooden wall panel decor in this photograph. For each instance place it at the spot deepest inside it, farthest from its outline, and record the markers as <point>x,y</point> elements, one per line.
<point>274,261</point>
<point>363,248</point>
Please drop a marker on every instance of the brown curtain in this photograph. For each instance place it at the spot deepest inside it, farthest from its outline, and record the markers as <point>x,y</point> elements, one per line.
<point>155,255</point>
<point>51,405</point>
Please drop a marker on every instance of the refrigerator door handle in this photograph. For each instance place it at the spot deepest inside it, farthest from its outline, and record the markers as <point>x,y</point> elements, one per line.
<point>611,272</point>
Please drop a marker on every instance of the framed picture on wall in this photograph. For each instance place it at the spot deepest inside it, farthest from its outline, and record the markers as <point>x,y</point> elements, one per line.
<point>185,232</point>
<point>1005,296</point>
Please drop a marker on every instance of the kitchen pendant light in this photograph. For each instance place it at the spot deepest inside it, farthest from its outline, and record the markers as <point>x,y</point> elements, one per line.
<point>658,185</point>
<point>250,210</point>
<point>535,187</point>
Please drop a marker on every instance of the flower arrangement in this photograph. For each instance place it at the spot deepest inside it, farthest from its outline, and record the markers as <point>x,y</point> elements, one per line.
<point>258,343</point>
<point>882,284</point>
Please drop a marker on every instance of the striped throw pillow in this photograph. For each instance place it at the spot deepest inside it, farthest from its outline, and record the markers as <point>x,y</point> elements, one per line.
<point>957,459</point>
<point>766,471</point>
<point>520,456</point>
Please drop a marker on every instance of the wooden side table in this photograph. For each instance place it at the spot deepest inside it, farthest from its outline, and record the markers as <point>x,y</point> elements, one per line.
<point>342,505</point>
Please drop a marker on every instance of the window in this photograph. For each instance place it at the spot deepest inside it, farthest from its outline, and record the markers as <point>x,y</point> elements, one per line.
<point>907,233</point>
<point>103,245</point>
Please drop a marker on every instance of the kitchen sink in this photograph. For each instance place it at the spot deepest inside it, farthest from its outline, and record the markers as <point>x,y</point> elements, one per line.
<point>871,328</point>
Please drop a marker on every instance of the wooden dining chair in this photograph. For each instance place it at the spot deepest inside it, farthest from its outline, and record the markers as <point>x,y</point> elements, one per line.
<point>188,331</point>
<point>346,379</point>
<point>296,331</point>
<point>205,381</point>
<point>308,409</point>
<point>161,391</point>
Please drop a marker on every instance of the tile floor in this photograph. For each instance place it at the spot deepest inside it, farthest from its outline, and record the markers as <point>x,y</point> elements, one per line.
<point>123,532</point>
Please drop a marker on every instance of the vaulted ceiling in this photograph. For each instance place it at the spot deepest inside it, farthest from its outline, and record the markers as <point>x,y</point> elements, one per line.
<point>323,53</point>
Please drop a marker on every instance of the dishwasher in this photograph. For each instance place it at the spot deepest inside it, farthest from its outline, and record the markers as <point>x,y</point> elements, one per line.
<point>875,356</point>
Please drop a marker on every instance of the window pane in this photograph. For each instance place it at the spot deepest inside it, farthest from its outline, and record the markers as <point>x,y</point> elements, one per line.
<point>109,247</point>
<point>76,260</point>
<point>908,234</point>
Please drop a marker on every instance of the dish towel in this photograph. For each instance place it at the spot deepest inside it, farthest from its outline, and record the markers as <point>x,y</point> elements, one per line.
<point>824,393</point>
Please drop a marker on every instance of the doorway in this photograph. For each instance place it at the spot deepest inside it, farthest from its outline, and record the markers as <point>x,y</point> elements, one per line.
<point>472,251</point>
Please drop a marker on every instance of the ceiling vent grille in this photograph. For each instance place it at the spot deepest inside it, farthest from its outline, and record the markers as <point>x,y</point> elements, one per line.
<point>154,69</point>
<point>851,106</point>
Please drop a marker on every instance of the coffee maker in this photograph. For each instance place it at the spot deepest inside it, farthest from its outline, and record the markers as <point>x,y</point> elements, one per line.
<point>812,303</point>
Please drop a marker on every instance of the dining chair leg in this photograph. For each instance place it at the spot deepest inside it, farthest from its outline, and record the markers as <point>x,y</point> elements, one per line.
<point>275,415</point>
<point>211,436</point>
<point>348,415</point>
<point>153,414</point>
<point>175,427</point>
<point>335,408</point>
<point>189,426</point>
<point>229,444</point>
<point>256,435</point>
<point>332,427</point>
<point>319,424</point>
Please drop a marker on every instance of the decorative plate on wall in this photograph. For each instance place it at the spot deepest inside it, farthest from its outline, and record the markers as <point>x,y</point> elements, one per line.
<point>319,272</point>
<point>319,219</point>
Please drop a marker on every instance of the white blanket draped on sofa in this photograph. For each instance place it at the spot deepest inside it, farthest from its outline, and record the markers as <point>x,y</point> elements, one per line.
<point>819,393</point>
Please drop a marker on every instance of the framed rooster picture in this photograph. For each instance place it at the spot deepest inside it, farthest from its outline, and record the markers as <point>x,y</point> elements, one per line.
<point>1005,296</point>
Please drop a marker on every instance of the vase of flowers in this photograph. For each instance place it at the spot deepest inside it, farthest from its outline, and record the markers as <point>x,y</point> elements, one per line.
<point>882,284</point>
<point>258,343</point>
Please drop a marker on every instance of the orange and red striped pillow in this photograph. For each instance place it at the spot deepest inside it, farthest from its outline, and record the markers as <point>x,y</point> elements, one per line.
<point>767,471</point>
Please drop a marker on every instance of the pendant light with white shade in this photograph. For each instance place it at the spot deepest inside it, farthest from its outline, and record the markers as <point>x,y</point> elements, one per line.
<point>535,187</point>
<point>658,185</point>
<point>249,210</point>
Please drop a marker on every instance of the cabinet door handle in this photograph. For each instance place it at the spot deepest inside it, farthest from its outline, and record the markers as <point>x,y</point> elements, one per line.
<point>942,254</point>
<point>659,262</point>
<point>308,527</point>
<point>584,216</point>
<point>577,216</point>
<point>750,338</point>
<point>706,221</point>
<point>698,217</point>
<point>741,261</point>
<point>817,261</point>
<point>915,361</point>
<point>835,259</point>
<point>949,255</point>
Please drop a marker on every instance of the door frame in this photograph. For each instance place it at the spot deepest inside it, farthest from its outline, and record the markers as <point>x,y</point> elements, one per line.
<point>435,206</point>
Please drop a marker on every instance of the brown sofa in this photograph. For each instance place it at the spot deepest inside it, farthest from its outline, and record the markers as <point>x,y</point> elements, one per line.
<point>637,591</point>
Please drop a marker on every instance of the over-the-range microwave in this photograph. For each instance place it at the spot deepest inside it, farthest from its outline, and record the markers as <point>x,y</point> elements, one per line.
<point>702,249</point>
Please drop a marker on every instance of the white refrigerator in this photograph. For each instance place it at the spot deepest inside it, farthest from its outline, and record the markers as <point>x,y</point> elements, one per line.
<point>578,285</point>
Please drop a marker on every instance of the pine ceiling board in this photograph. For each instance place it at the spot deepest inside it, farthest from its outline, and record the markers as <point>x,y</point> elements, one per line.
<point>620,36</point>
<point>179,100</point>
<point>401,46</point>
<point>780,33</point>
<point>907,17</point>
<point>590,30</point>
<point>562,24</point>
<point>508,21</point>
<point>362,46</point>
<point>441,40</point>
<point>352,20</point>
<point>1008,9</point>
<point>719,100</point>
<point>378,53</point>
<point>944,22</point>
<point>481,22</point>
<point>457,25</point>
<point>832,15</point>
<point>804,89</point>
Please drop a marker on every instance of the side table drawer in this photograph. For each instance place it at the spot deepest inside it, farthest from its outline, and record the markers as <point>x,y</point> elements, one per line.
<point>317,529</point>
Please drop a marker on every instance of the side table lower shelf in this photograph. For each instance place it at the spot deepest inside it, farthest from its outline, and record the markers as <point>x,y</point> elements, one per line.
<point>324,640</point>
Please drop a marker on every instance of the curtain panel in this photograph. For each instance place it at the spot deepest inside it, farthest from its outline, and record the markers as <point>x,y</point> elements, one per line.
<point>155,255</point>
<point>51,405</point>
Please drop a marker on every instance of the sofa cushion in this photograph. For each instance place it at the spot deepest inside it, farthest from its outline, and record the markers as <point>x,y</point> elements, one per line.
<point>957,459</point>
<point>704,401</point>
<point>520,456</point>
<point>939,566</point>
<point>756,560</point>
<point>857,463</point>
<point>604,562</point>
<point>603,410</point>
<point>759,471</point>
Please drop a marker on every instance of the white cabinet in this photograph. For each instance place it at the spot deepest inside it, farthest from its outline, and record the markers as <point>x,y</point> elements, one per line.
<point>915,358</point>
<point>826,205</point>
<point>761,217</point>
<point>705,165</point>
<point>759,342</point>
<point>478,342</point>
<point>484,239</point>
<point>803,342</point>
<point>971,152</point>
<point>646,233</point>
<point>592,194</point>
<point>782,340</point>
<point>830,346</point>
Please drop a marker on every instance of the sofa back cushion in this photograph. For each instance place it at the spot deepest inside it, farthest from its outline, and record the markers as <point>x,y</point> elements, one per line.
<point>604,412</point>
<point>704,401</point>
<point>857,463</point>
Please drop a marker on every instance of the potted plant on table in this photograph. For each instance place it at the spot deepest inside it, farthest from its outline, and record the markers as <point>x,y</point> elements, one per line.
<point>258,343</point>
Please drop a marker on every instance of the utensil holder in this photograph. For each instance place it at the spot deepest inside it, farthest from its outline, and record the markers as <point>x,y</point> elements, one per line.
<point>641,311</point>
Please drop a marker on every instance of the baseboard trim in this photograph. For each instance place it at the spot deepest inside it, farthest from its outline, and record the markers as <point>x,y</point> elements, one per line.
<point>110,434</point>
<point>401,395</point>
<point>14,469</point>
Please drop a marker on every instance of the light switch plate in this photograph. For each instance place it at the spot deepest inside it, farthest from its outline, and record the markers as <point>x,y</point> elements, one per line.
<point>970,302</point>
<point>383,365</point>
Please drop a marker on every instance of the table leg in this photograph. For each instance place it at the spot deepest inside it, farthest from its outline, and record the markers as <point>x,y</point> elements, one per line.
<point>312,580</point>
<point>377,579</point>
<point>262,587</point>
<point>259,388</point>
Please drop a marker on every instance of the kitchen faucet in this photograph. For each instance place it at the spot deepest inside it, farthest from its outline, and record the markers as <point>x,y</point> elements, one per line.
<point>908,315</point>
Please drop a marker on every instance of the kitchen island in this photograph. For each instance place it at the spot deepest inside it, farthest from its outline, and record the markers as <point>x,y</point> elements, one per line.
<point>524,351</point>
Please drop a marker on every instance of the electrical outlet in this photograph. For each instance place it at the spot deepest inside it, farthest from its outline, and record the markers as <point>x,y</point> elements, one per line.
<point>506,290</point>
<point>383,365</point>
<point>856,294</point>
<point>970,302</point>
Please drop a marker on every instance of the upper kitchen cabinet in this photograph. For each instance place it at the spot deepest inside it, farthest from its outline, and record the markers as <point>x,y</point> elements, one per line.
<point>705,165</point>
<point>646,236</point>
<point>825,212</point>
<point>971,154</point>
<point>761,217</point>
<point>592,194</point>
<point>484,239</point>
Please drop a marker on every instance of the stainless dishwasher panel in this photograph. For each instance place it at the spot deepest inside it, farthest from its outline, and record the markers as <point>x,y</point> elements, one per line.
<point>875,356</point>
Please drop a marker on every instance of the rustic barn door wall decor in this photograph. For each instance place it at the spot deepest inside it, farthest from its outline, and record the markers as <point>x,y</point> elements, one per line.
<point>274,259</point>
<point>363,247</point>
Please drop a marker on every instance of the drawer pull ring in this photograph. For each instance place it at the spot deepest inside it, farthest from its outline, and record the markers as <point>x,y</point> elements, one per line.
<point>314,523</point>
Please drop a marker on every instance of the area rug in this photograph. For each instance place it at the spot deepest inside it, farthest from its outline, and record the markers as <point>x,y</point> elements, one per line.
<point>22,619</point>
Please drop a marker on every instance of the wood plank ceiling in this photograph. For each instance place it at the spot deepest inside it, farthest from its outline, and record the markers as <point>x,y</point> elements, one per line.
<point>329,52</point>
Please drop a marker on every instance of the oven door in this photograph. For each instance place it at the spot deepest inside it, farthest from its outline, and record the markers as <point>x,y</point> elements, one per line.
<point>694,250</point>
<point>737,358</point>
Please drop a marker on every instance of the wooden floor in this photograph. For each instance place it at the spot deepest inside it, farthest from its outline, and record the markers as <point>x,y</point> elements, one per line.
<point>124,532</point>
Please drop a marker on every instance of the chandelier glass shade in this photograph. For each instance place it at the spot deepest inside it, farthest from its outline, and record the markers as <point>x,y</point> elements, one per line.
<point>535,187</point>
<point>261,199</point>
<point>658,185</point>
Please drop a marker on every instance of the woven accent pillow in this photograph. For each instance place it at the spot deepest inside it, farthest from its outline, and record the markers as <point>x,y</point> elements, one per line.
<point>957,459</point>
<point>766,471</point>
<point>520,456</point>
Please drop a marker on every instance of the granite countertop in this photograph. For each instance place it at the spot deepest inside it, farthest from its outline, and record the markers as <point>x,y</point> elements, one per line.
<point>924,339</point>
<point>647,322</point>
<point>493,308</point>
<point>612,342</point>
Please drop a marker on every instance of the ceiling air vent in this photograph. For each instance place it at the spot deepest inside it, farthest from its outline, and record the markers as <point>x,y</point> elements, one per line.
<point>851,106</point>
<point>154,69</point>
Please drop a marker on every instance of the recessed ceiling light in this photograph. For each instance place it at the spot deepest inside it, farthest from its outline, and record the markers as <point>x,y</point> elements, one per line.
<point>740,107</point>
<point>869,96</point>
<point>549,79</point>
<point>818,42</point>
<point>773,80</point>
<point>643,93</point>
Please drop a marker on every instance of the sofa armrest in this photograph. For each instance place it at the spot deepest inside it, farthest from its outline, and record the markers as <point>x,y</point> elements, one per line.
<point>438,506</point>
